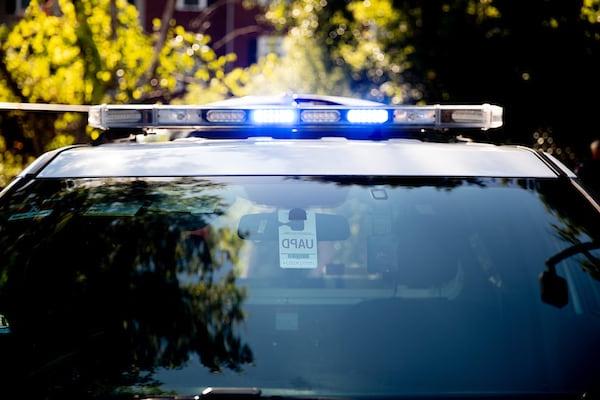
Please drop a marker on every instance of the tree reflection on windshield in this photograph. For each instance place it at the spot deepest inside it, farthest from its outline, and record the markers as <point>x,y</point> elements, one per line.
<point>97,300</point>
<point>125,286</point>
<point>574,228</point>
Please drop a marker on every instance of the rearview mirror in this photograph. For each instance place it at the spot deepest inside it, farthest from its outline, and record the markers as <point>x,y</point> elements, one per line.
<point>555,290</point>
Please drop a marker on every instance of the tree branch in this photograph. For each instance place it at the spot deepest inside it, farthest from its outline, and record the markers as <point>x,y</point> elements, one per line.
<point>113,19</point>
<point>160,42</point>
<point>246,30</point>
<point>207,12</point>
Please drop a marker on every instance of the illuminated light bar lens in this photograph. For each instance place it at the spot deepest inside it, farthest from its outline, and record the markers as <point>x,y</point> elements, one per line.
<point>274,116</point>
<point>371,116</point>
<point>179,117</point>
<point>320,116</point>
<point>425,116</point>
<point>226,116</point>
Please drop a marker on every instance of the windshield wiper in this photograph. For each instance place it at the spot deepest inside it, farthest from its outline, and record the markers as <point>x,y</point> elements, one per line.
<point>231,392</point>
<point>235,393</point>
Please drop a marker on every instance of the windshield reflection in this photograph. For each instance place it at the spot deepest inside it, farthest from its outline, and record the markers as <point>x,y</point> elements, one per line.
<point>162,285</point>
<point>99,302</point>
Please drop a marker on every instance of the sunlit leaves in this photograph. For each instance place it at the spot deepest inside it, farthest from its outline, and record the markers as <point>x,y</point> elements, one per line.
<point>591,11</point>
<point>10,163</point>
<point>41,55</point>
<point>303,69</point>
<point>90,54</point>
<point>377,14</point>
<point>482,9</point>
<point>358,38</point>
<point>48,55</point>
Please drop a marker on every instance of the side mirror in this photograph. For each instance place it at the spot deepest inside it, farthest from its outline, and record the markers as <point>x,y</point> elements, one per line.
<point>555,290</point>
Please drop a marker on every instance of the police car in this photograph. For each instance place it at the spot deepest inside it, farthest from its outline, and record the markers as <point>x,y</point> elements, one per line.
<point>303,247</point>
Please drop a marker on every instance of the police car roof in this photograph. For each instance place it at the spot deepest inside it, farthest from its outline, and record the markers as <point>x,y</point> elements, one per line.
<point>327,156</point>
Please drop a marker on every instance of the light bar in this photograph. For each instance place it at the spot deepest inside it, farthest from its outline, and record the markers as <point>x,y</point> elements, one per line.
<point>314,116</point>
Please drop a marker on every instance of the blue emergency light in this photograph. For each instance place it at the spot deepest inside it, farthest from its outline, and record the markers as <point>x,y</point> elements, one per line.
<point>107,117</point>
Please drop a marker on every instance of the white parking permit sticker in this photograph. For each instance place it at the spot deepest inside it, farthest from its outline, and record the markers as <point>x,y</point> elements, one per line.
<point>297,241</point>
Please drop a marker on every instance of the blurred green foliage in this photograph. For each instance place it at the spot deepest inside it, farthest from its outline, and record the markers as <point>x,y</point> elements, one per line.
<point>538,58</point>
<point>303,69</point>
<point>90,52</point>
<point>591,11</point>
<point>88,56</point>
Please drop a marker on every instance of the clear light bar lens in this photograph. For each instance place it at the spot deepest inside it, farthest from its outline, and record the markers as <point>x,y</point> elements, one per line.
<point>425,116</point>
<point>179,116</point>
<point>370,116</point>
<point>485,116</point>
<point>226,116</point>
<point>275,116</point>
<point>467,116</point>
<point>117,116</point>
<point>320,116</point>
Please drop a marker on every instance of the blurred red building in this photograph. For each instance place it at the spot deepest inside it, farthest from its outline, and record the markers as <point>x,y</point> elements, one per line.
<point>232,27</point>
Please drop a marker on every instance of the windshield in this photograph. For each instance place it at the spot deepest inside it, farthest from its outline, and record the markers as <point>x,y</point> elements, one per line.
<point>298,286</point>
